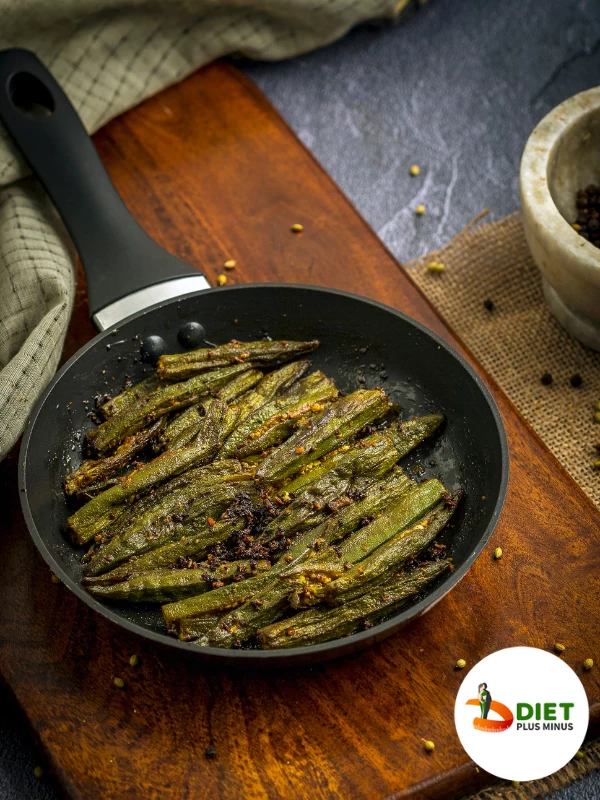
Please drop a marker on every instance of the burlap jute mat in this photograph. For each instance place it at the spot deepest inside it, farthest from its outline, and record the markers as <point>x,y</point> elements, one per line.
<point>574,770</point>
<point>517,342</point>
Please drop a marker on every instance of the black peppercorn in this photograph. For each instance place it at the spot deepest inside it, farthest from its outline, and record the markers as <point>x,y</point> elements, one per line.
<point>576,380</point>
<point>587,223</point>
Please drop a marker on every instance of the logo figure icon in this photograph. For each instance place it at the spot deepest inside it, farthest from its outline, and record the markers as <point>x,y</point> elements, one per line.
<point>485,700</point>
<point>486,704</point>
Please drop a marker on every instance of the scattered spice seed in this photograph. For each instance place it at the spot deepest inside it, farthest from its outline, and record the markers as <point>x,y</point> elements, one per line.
<point>229,264</point>
<point>420,210</point>
<point>435,266</point>
<point>498,553</point>
<point>414,170</point>
<point>54,578</point>
<point>428,745</point>
<point>597,416</point>
<point>596,464</point>
<point>119,683</point>
<point>221,279</point>
<point>597,406</point>
<point>38,772</point>
<point>461,663</point>
<point>576,227</point>
<point>576,380</point>
<point>297,227</point>
<point>134,661</point>
<point>579,754</point>
<point>546,379</point>
<point>211,522</point>
<point>488,304</point>
<point>560,648</point>
<point>210,752</point>
<point>515,783</point>
<point>588,663</point>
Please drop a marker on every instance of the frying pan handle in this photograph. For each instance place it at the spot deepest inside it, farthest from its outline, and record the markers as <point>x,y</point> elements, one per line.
<point>118,257</point>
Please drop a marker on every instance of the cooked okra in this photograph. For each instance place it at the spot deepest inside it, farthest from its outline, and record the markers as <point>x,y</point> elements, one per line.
<point>272,493</point>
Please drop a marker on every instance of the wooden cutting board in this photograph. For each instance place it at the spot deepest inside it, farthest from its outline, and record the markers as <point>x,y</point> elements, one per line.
<point>213,173</point>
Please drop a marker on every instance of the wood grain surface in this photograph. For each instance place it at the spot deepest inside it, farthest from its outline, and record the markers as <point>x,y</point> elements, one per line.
<point>213,173</point>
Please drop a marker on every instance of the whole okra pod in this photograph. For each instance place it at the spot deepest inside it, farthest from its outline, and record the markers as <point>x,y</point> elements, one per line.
<point>190,629</point>
<point>182,429</point>
<point>405,511</point>
<point>353,581</point>
<point>408,434</point>
<point>160,402</point>
<point>322,625</point>
<point>372,456</point>
<point>182,365</point>
<point>375,456</point>
<point>151,514</point>
<point>284,411</point>
<point>324,432</point>
<point>131,511</point>
<point>166,585</point>
<point>141,538</point>
<point>130,396</point>
<point>194,543</point>
<point>101,510</point>
<point>93,475</point>
<point>270,386</point>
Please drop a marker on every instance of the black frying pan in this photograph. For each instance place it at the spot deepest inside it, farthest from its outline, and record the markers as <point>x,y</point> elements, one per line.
<point>137,290</point>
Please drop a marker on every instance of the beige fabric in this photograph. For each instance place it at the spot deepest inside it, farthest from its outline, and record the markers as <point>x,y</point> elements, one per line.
<point>109,55</point>
<point>519,340</point>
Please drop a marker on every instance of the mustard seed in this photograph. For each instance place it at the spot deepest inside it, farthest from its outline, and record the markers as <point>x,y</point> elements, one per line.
<point>297,228</point>
<point>221,279</point>
<point>428,745</point>
<point>588,663</point>
<point>498,553</point>
<point>435,266</point>
<point>119,683</point>
<point>414,170</point>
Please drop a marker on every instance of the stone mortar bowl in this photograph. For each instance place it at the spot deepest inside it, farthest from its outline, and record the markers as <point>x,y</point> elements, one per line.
<point>561,156</point>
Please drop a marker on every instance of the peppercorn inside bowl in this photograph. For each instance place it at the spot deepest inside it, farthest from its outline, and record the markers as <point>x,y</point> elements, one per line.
<point>560,196</point>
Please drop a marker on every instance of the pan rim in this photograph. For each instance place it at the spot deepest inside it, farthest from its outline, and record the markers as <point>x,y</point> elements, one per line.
<point>293,656</point>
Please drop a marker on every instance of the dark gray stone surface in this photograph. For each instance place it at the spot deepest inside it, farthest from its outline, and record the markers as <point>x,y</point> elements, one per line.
<point>457,89</point>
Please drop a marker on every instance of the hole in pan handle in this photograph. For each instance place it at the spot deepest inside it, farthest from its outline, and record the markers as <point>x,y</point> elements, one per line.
<point>125,269</point>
